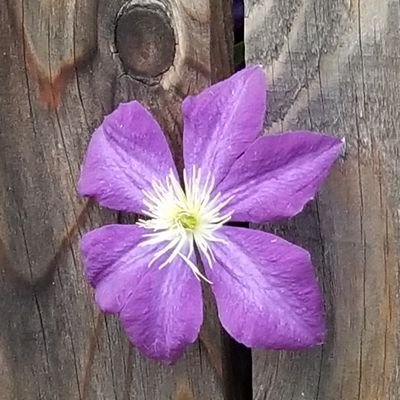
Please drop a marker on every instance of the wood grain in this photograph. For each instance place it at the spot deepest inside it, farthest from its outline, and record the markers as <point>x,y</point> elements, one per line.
<point>333,66</point>
<point>60,74</point>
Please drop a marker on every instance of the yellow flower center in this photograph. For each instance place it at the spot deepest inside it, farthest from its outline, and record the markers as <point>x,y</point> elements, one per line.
<point>187,220</point>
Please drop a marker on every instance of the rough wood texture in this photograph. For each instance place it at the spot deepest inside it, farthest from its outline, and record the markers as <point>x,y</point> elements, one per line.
<point>60,72</point>
<point>334,66</point>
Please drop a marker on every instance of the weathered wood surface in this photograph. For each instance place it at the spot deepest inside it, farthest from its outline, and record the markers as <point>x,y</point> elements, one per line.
<point>334,66</point>
<point>60,73</point>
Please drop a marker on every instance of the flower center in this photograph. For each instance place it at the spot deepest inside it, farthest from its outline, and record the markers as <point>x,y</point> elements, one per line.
<point>180,219</point>
<point>188,221</point>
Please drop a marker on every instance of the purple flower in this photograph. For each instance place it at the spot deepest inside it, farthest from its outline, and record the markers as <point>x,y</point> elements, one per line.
<point>265,288</point>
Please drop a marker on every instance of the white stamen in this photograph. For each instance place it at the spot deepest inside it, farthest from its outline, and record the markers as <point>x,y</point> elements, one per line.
<point>180,218</point>
<point>194,268</point>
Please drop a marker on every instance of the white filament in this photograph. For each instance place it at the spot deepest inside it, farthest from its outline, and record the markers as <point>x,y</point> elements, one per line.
<point>180,218</point>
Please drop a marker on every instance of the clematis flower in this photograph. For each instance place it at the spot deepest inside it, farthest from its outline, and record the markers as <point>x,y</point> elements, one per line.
<point>148,273</point>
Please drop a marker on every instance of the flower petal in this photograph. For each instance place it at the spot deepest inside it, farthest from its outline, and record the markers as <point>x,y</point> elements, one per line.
<point>125,155</point>
<point>266,292</point>
<point>161,310</point>
<point>221,122</point>
<point>110,263</point>
<point>165,312</point>
<point>278,175</point>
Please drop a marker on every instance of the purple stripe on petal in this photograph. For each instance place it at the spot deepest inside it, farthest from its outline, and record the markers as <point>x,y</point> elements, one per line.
<point>126,153</point>
<point>222,121</point>
<point>266,291</point>
<point>161,310</point>
<point>278,175</point>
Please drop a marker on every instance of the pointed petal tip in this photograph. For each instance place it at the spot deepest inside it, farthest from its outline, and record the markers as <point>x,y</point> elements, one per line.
<point>254,68</point>
<point>128,109</point>
<point>308,340</point>
<point>167,358</point>
<point>252,72</point>
<point>127,104</point>
<point>162,353</point>
<point>122,109</point>
<point>338,144</point>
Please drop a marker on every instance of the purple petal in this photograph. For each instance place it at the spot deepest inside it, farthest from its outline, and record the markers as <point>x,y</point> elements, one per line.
<point>266,292</point>
<point>109,258</point>
<point>161,310</point>
<point>165,312</point>
<point>125,155</point>
<point>278,175</point>
<point>104,248</point>
<point>222,121</point>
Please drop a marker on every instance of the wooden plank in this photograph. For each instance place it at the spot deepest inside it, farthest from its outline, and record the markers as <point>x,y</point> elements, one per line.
<point>60,73</point>
<point>333,66</point>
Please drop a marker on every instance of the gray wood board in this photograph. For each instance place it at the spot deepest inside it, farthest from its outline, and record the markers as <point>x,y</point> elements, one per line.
<point>60,73</point>
<point>333,66</point>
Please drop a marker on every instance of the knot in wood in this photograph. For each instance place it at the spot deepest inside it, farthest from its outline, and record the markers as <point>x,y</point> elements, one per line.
<point>145,40</point>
